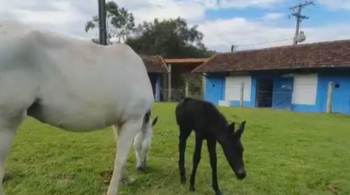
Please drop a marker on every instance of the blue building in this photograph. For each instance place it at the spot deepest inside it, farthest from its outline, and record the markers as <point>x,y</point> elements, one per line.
<point>157,71</point>
<point>304,78</point>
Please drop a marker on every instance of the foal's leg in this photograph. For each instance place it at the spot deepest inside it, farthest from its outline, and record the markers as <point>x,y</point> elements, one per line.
<point>196,159</point>
<point>212,154</point>
<point>124,141</point>
<point>8,128</point>
<point>184,133</point>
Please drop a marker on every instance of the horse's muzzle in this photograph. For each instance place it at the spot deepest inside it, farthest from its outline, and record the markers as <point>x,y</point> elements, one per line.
<point>241,174</point>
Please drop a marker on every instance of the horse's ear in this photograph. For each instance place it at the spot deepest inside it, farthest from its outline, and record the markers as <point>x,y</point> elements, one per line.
<point>240,130</point>
<point>155,120</point>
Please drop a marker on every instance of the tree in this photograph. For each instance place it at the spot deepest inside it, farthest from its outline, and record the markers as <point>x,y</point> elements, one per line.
<point>120,22</point>
<point>168,38</point>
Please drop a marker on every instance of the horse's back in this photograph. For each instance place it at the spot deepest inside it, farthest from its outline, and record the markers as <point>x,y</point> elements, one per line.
<point>78,84</point>
<point>94,83</point>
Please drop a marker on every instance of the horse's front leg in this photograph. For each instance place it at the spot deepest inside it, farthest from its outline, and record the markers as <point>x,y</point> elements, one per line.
<point>124,141</point>
<point>8,126</point>
<point>142,144</point>
<point>6,136</point>
<point>213,163</point>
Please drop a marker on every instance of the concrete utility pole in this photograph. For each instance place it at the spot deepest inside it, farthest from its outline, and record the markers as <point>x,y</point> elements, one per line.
<point>102,22</point>
<point>241,102</point>
<point>296,12</point>
<point>330,97</point>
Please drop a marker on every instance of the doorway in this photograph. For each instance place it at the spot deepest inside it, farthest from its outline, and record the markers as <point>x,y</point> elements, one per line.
<point>264,93</point>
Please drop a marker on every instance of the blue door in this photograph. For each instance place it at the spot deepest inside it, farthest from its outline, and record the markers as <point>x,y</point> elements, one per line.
<point>214,91</point>
<point>282,93</point>
<point>341,95</point>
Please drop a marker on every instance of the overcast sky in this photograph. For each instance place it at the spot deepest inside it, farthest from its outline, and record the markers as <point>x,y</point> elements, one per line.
<point>249,24</point>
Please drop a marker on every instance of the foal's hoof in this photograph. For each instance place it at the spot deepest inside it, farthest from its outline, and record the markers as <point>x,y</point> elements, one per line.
<point>192,189</point>
<point>218,193</point>
<point>183,180</point>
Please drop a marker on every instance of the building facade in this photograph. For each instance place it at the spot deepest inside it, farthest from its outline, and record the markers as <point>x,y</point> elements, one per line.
<point>304,78</point>
<point>157,71</point>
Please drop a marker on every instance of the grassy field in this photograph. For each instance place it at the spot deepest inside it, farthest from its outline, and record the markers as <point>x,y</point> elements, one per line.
<point>285,153</point>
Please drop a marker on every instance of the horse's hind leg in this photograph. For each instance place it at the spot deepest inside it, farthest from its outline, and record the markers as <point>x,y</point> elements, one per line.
<point>184,133</point>
<point>124,141</point>
<point>8,126</point>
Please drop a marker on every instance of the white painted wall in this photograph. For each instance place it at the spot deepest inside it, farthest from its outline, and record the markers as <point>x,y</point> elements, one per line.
<point>305,89</point>
<point>224,103</point>
<point>233,88</point>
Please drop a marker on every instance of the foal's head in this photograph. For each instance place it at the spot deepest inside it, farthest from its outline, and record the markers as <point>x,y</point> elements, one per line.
<point>233,150</point>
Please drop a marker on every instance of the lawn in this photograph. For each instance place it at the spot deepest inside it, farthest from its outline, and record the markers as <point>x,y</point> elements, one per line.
<point>285,153</point>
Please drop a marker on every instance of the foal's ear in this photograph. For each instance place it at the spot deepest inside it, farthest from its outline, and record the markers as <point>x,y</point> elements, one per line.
<point>240,130</point>
<point>232,127</point>
<point>155,120</point>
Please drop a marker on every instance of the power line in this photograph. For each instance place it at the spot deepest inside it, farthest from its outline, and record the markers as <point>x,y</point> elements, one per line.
<point>296,12</point>
<point>256,45</point>
<point>264,43</point>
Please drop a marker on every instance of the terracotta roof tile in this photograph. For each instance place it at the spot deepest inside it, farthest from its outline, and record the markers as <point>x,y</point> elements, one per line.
<point>334,54</point>
<point>154,64</point>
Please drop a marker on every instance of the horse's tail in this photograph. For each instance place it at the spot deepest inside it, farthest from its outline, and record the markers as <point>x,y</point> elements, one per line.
<point>147,119</point>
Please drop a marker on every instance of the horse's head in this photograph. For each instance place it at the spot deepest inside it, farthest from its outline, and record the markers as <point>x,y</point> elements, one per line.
<point>233,150</point>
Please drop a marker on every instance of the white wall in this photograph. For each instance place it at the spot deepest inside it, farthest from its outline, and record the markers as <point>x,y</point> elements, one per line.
<point>305,89</point>
<point>233,88</point>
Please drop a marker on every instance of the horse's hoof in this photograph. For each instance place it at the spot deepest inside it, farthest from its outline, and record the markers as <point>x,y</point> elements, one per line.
<point>7,177</point>
<point>141,169</point>
<point>127,180</point>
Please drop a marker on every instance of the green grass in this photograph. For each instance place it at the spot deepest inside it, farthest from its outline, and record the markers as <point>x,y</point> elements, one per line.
<point>285,153</point>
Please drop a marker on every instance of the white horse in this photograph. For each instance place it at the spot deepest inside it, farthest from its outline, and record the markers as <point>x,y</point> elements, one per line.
<point>75,85</point>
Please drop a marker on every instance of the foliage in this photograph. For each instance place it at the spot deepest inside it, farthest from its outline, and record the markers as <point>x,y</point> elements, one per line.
<point>168,38</point>
<point>285,153</point>
<point>120,23</point>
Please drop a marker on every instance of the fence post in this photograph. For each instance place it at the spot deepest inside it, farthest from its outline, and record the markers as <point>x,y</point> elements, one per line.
<point>241,103</point>
<point>330,97</point>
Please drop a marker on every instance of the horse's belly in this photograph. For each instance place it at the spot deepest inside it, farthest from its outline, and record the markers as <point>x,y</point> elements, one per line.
<point>74,119</point>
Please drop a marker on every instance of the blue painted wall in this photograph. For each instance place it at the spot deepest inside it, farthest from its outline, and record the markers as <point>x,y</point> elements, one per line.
<point>282,93</point>
<point>283,89</point>
<point>341,95</point>
<point>215,88</point>
<point>247,104</point>
<point>305,108</point>
<point>253,93</point>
